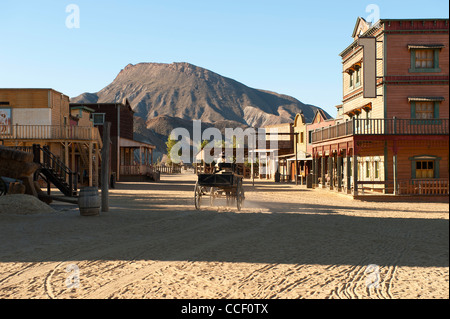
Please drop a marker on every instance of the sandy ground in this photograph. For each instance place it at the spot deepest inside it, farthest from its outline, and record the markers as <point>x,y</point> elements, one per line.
<point>287,242</point>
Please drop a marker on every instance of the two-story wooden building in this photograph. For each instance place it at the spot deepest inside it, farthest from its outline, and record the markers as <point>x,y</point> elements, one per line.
<point>131,160</point>
<point>395,141</point>
<point>304,132</point>
<point>43,117</point>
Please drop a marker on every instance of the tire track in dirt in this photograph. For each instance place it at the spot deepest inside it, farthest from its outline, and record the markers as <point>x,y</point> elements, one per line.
<point>177,253</point>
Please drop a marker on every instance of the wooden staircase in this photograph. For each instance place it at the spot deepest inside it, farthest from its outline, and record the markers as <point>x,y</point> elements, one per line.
<point>53,171</point>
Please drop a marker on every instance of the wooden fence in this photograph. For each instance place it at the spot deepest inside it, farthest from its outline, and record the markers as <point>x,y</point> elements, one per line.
<point>176,169</point>
<point>146,169</point>
<point>424,187</point>
<point>427,187</point>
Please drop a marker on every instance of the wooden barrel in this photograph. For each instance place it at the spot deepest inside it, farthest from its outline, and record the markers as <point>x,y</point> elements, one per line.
<point>89,201</point>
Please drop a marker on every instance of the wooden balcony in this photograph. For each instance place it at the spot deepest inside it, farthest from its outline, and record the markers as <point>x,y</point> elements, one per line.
<point>48,132</point>
<point>392,126</point>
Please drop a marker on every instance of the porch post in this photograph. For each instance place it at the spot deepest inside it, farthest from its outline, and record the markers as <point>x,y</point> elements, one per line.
<point>90,165</point>
<point>322,164</point>
<point>395,170</point>
<point>73,167</point>
<point>253,168</point>
<point>316,170</point>
<point>296,160</point>
<point>330,170</point>
<point>66,158</point>
<point>339,171</point>
<point>395,174</point>
<point>97,158</point>
<point>260,165</point>
<point>349,170</point>
<point>355,172</point>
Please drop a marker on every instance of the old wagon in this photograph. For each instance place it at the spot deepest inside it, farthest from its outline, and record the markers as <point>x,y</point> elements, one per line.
<point>225,182</point>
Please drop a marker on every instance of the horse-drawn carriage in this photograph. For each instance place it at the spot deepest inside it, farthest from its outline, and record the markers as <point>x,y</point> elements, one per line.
<point>224,182</point>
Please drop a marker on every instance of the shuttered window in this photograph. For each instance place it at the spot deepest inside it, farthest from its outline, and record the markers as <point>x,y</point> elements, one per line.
<point>425,166</point>
<point>424,59</point>
<point>425,169</point>
<point>424,110</point>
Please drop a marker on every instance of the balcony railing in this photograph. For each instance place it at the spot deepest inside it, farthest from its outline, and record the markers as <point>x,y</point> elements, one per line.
<point>48,132</point>
<point>392,126</point>
<point>148,169</point>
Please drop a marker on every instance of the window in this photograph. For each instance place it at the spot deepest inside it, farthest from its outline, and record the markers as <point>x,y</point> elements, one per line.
<point>425,58</point>
<point>351,79</point>
<point>425,166</point>
<point>310,137</point>
<point>424,110</point>
<point>98,118</point>
<point>424,169</point>
<point>358,77</point>
<point>367,169</point>
<point>377,169</point>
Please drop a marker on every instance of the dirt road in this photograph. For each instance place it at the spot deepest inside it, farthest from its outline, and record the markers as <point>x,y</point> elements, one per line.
<point>287,242</point>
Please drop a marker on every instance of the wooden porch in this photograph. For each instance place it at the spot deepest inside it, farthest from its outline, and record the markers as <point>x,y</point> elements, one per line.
<point>77,147</point>
<point>136,159</point>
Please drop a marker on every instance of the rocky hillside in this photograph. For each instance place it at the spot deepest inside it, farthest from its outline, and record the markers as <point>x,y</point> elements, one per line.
<point>189,92</point>
<point>166,96</point>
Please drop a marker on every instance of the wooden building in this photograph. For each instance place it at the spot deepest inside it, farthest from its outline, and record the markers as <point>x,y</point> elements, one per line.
<point>280,145</point>
<point>131,160</point>
<point>43,117</point>
<point>396,141</point>
<point>304,132</point>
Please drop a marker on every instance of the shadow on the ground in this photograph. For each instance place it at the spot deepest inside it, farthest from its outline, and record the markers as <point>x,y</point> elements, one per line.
<point>261,233</point>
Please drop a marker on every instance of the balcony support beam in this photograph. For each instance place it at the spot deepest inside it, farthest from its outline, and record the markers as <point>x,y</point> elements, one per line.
<point>339,171</point>
<point>355,172</point>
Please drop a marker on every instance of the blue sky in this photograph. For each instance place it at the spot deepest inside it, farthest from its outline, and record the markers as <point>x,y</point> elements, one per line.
<point>290,47</point>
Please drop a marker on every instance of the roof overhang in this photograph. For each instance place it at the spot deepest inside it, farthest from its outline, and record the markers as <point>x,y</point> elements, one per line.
<point>124,142</point>
<point>425,46</point>
<point>426,99</point>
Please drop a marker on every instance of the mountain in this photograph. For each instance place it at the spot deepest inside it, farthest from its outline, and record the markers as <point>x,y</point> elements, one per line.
<point>189,92</point>
<point>167,95</point>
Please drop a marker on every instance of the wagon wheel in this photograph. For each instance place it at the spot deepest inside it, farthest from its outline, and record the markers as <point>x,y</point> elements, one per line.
<point>3,190</point>
<point>197,196</point>
<point>212,196</point>
<point>229,198</point>
<point>240,196</point>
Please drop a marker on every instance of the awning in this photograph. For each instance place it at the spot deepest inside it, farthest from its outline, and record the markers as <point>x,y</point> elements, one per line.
<point>425,46</point>
<point>426,99</point>
<point>124,142</point>
<point>301,156</point>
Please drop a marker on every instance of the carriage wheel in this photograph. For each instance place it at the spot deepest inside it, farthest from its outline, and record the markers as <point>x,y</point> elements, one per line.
<point>212,196</point>
<point>197,196</point>
<point>239,196</point>
<point>3,190</point>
